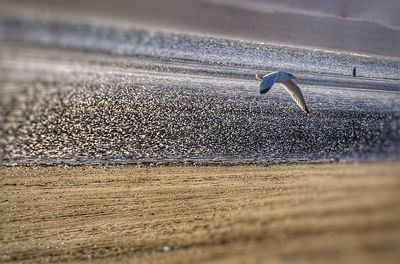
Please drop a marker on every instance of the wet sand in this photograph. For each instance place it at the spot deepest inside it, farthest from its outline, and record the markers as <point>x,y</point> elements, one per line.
<point>249,20</point>
<point>215,214</point>
<point>61,106</point>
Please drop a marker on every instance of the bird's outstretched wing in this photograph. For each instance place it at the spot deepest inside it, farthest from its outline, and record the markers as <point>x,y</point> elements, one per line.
<point>267,83</point>
<point>296,94</point>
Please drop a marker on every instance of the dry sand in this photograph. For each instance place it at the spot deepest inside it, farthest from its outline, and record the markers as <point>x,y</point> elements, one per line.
<point>215,214</point>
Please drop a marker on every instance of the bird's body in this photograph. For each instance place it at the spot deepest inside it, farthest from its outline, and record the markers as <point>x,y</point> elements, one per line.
<point>285,79</point>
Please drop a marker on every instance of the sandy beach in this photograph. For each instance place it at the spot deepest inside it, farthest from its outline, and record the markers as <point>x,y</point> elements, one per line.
<point>215,214</point>
<point>136,131</point>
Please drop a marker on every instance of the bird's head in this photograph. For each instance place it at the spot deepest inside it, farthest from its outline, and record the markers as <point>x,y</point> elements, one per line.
<point>259,76</point>
<point>291,76</point>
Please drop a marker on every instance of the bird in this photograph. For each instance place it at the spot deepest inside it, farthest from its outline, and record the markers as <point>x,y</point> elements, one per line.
<point>285,79</point>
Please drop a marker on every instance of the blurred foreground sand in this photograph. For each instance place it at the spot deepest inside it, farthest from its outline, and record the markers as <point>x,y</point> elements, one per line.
<point>222,214</point>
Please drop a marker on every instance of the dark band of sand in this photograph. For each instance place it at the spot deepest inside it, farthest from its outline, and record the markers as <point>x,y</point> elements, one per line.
<point>281,213</point>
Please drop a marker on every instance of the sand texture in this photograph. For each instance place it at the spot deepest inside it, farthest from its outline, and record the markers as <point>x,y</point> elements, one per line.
<point>238,214</point>
<point>356,26</point>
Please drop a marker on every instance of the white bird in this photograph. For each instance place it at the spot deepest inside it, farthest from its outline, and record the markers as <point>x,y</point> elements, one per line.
<point>283,78</point>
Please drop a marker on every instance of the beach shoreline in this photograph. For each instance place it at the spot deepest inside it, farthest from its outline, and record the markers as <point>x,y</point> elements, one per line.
<point>135,132</point>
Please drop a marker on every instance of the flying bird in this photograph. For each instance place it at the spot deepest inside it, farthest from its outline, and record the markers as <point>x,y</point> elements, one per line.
<point>285,79</point>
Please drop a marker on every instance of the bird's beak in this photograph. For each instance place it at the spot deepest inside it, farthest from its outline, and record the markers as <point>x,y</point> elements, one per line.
<point>294,77</point>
